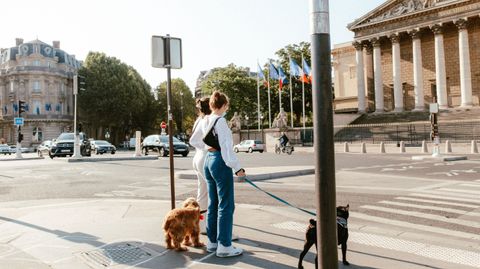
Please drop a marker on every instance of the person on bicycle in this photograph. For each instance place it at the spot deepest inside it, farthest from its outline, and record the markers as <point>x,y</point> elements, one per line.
<point>283,140</point>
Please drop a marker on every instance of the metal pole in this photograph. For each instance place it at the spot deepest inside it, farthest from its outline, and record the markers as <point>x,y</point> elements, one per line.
<point>323,135</point>
<point>269,108</point>
<point>258,98</point>
<point>303,100</point>
<point>76,145</point>
<point>291,99</point>
<point>170,121</point>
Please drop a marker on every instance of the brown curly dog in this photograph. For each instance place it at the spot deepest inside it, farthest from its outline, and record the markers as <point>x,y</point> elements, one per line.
<point>182,225</point>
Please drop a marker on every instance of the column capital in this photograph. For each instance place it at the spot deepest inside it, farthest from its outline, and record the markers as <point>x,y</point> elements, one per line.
<point>358,45</point>
<point>375,42</point>
<point>395,38</point>
<point>415,33</point>
<point>368,48</point>
<point>461,24</point>
<point>437,29</point>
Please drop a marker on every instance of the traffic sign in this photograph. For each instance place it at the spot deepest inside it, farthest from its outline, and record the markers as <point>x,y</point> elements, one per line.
<point>18,121</point>
<point>163,125</point>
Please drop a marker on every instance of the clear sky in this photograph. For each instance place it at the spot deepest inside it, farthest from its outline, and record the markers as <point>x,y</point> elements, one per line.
<point>214,32</point>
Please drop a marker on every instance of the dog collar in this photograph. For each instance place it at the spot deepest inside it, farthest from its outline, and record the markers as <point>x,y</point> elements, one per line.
<point>342,222</point>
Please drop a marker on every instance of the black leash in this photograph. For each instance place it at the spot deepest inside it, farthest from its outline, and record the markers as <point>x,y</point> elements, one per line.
<point>278,198</point>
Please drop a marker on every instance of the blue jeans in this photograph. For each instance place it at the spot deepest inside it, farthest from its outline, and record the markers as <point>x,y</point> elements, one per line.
<point>221,199</point>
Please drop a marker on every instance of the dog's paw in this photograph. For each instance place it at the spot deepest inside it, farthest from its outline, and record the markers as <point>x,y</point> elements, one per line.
<point>181,249</point>
<point>187,243</point>
<point>346,263</point>
<point>199,244</point>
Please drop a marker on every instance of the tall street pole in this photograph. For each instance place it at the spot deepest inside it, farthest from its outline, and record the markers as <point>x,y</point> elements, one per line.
<point>170,121</point>
<point>323,135</point>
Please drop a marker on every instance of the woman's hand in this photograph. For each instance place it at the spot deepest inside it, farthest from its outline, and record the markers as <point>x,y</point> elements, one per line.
<point>241,173</point>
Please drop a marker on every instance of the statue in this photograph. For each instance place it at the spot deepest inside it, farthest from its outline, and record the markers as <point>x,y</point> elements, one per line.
<point>281,120</point>
<point>235,122</point>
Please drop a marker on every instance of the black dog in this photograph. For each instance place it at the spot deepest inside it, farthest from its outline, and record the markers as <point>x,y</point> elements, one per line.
<point>342,235</point>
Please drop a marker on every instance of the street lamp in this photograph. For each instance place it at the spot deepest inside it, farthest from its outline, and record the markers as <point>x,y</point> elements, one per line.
<point>181,111</point>
<point>261,123</point>
<point>248,129</point>
<point>107,135</point>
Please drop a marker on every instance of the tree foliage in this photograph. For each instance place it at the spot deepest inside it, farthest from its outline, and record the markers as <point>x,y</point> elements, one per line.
<point>116,98</point>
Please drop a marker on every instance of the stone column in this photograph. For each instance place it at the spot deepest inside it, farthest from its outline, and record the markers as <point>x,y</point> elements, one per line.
<point>377,69</point>
<point>369,76</point>
<point>397,74</point>
<point>417,70</point>
<point>440,73</point>
<point>465,72</point>
<point>360,77</point>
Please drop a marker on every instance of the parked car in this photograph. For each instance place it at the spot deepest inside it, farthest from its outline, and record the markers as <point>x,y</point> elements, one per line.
<point>44,148</point>
<point>160,144</point>
<point>13,149</point>
<point>63,145</point>
<point>249,146</point>
<point>5,149</point>
<point>102,146</point>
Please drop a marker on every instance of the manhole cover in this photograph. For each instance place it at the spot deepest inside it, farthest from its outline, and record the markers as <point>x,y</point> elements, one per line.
<point>125,253</point>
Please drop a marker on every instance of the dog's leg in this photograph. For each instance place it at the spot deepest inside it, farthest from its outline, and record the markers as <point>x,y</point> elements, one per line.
<point>187,241</point>
<point>168,241</point>
<point>177,243</point>
<point>306,247</point>
<point>344,253</point>
<point>196,238</point>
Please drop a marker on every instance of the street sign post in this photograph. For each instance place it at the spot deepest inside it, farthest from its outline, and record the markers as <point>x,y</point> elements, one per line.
<point>167,53</point>
<point>18,121</point>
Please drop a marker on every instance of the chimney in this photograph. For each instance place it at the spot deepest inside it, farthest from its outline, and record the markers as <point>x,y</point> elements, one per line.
<point>18,41</point>
<point>56,44</point>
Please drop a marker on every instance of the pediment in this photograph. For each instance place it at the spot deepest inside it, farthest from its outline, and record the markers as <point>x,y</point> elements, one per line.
<point>397,8</point>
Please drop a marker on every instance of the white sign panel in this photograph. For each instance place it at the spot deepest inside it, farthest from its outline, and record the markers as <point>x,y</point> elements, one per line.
<point>159,52</point>
<point>434,108</point>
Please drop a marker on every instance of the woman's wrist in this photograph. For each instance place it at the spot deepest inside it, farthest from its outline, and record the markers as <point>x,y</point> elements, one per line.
<point>241,170</point>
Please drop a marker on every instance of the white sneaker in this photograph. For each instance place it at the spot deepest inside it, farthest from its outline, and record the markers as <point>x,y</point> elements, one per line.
<point>211,247</point>
<point>230,251</point>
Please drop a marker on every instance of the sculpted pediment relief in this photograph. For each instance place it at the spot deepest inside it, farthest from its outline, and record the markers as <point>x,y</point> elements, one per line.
<point>399,8</point>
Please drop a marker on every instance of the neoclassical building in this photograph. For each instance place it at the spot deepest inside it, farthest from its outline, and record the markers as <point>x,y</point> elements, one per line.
<point>41,75</point>
<point>410,52</point>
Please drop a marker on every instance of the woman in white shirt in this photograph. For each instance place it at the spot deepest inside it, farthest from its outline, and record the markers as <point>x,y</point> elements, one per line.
<point>218,172</point>
<point>196,141</point>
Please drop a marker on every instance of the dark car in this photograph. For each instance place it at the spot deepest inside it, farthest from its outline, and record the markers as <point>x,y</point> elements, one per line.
<point>63,145</point>
<point>159,143</point>
<point>102,146</point>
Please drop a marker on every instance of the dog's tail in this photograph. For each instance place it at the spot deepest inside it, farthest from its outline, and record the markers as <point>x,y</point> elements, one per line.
<point>166,224</point>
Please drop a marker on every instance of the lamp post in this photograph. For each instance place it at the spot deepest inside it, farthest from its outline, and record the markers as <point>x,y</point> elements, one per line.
<point>181,111</point>
<point>76,146</point>
<point>261,123</point>
<point>248,129</point>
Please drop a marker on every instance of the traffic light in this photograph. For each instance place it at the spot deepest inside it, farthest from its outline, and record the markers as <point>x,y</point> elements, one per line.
<point>22,107</point>
<point>79,127</point>
<point>78,83</point>
<point>20,137</point>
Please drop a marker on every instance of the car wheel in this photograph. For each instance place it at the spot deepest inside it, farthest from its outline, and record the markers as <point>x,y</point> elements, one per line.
<point>113,152</point>
<point>162,152</point>
<point>184,154</point>
<point>236,150</point>
<point>145,151</point>
<point>51,156</point>
<point>250,150</point>
<point>261,151</point>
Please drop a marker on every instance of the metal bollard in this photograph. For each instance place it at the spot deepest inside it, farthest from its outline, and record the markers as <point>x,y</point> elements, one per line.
<point>448,147</point>
<point>364,148</point>
<point>345,147</point>
<point>382,147</point>
<point>424,147</point>
<point>402,147</point>
<point>474,148</point>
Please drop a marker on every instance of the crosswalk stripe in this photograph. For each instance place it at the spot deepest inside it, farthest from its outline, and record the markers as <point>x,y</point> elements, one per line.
<point>419,227</point>
<point>467,223</point>
<point>476,192</point>
<point>458,199</point>
<point>435,202</point>
<point>470,185</point>
<point>449,194</point>
<point>455,211</point>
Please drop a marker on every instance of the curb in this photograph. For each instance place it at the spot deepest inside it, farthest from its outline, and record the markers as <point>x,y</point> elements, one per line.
<point>22,159</point>
<point>255,177</point>
<point>439,158</point>
<point>92,159</point>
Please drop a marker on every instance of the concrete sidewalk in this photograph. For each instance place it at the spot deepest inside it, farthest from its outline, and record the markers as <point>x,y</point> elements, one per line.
<point>111,233</point>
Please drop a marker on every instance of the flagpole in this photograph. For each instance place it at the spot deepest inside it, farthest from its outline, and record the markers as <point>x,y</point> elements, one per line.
<point>269,108</point>
<point>258,97</point>
<point>291,98</point>
<point>303,99</point>
<point>279,94</point>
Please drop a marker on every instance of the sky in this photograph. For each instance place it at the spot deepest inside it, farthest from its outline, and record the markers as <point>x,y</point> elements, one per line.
<point>214,33</point>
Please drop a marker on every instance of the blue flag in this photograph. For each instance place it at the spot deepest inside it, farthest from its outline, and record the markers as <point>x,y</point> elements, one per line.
<point>273,71</point>
<point>260,72</point>
<point>294,68</point>
<point>282,78</point>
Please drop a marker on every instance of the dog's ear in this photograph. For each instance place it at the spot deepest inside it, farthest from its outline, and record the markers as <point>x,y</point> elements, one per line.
<point>313,222</point>
<point>348,207</point>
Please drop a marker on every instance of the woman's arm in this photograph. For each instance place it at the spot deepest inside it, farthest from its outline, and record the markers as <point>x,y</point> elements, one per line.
<point>196,140</point>
<point>226,144</point>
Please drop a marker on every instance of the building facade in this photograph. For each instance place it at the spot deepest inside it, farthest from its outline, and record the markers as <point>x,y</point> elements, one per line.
<point>410,53</point>
<point>41,75</point>
<point>344,77</point>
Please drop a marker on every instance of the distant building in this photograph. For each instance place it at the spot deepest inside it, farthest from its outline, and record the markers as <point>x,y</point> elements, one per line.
<point>344,77</point>
<point>41,75</point>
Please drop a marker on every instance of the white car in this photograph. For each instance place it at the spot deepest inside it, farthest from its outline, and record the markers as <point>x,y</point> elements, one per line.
<point>249,146</point>
<point>5,149</point>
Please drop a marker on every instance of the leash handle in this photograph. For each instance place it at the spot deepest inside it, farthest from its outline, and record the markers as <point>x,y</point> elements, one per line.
<point>278,198</point>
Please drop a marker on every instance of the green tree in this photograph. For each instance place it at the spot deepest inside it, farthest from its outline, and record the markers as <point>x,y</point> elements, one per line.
<point>117,99</point>
<point>183,105</point>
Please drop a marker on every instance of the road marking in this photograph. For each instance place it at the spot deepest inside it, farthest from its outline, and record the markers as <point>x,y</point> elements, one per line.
<point>466,223</point>
<point>458,199</point>
<point>448,194</point>
<point>435,202</point>
<point>477,192</point>
<point>455,211</point>
<point>470,185</point>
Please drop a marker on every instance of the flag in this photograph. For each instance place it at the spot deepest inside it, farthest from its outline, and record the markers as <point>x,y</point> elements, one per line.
<point>273,71</point>
<point>282,78</point>
<point>294,69</point>
<point>261,76</point>
<point>306,76</point>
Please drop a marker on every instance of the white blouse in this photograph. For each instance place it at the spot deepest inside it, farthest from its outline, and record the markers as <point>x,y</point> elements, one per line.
<point>225,140</point>
<point>196,140</point>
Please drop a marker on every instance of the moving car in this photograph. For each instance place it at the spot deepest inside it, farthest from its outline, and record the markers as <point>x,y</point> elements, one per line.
<point>102,146</point>
<point>249,146</point>
<point>5,149</point>
<point>63,145</point>
<point>159,143</point>
<point>44,148</point>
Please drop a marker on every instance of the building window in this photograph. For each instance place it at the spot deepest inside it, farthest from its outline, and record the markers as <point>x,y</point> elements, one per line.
<point>11,86</point>
<point>37,107</point>
<point>36,86</point>
<point>353,72</point>
<point>37,134</point>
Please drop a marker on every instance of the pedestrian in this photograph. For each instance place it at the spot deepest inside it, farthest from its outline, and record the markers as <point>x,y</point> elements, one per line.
<point>218,171</point>
<point>203,108</point>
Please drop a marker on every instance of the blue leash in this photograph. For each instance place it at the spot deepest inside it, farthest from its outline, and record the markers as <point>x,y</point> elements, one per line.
<point>278,198</point>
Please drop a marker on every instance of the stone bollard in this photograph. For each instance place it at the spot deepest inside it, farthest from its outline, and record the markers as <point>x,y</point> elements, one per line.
<point>474,148</point>
<point>448,147</point>
<point>382,147</point>
<point>402,147</point>
<point>345,147</point>
<point>363,148</point>
<point>424,147</point>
